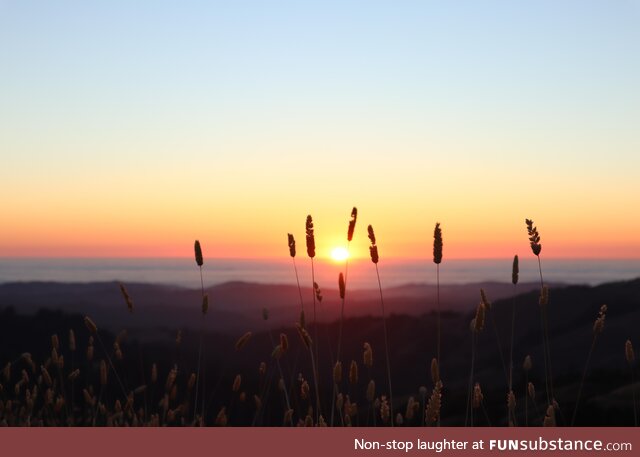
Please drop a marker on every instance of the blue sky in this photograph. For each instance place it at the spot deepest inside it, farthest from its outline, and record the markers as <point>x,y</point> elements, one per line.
<point>96,95</point>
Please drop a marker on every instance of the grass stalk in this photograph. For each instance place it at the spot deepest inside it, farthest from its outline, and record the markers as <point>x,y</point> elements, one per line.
<point>470,384</point>
<point>386,346</point>
<point>205,306</point>
<point>598,327</point>
<point>630,356</point>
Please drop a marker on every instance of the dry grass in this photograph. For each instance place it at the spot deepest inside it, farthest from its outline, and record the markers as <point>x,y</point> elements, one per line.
<point>43,393</point>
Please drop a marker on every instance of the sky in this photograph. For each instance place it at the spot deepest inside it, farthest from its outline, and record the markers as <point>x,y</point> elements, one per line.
<point>133,128</point>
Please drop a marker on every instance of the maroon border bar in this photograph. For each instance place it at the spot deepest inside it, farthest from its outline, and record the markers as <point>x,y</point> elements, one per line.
<point>298,442</point>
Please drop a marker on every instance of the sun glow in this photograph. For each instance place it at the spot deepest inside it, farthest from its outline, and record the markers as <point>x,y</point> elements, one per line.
<point>339,254</point>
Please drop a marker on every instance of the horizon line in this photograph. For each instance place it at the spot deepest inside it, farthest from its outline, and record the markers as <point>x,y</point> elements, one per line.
<point>286,258</point>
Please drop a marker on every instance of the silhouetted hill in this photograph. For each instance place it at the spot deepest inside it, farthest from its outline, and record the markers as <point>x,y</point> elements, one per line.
<point>572,311</point>
<point>235,305</point>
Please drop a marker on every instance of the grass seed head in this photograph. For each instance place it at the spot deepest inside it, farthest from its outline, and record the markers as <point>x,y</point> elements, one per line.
<point>304,390</point>
<point>308,421</point>
<point>311,240</point>
<point>371,234</point>
<point>304,336</point>
<point>284,342</point>
<point>221,418</point>
<point>367,355</point>
<point>198,252</point>
<point>478,325</point>
<point>337,372</point>
<point>550,417</point>
<point>437,244</point>
<point>339,402</point>
<point>598,325</point>
<point>628,352</point>
<point>485,300</point>
<point>291,241</point>
<point>72,341</point>
<point>277,352</point>
<point>371,391</point>
<point>385,411</point>
<point>317,291</point>
<point>531,390</point>
<point>411,408</point>
<point>477,396</point>
<point>46,376</point>
<point>434,404</point>
<point>91,326</point>
<point>534,237</point>
<point>127,297</point>
<point>352,223</point>
<point>236,383</point>
<point>435,371</point>
<point>243,340</point>
<point>511,401</point>
<point>353,373</point>
<point>288,416</point>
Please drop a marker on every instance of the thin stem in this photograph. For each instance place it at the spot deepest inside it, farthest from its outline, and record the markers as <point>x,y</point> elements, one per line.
<point>546,343</point>
<point>486,416</point>
<point>548,353</point>
<point>264,394</point>
<point>286,395</point>
<point>204,374</point>
<point>295,269</point>
<point>584,374</point>
<point>470,386</point>
<point>513,324</point>
<point>315,337</point>
<point>73,353</point>
<point>342,308</point>
<point>633,393</point>
<point>195,402</point>
<point>544,352</point>
<point>386,346</point>
<point>333,395</point>
<point>111,365</point>
<point>423,408</point>
<point>495,331</point>
<point>95,415</point>
<point>526,399</point>
<point>315,382</point>
<point>438,330</point>
<point>295,363</point>
<point>146,412</point>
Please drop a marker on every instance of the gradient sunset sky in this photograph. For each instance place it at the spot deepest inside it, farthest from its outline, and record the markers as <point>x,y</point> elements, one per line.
<point>133,128</point>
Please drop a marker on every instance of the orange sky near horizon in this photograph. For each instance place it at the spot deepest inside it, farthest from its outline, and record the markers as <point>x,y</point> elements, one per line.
<point>260,232</point>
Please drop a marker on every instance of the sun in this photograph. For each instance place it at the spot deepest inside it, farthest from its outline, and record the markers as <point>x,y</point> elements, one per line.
<point>339,254</point>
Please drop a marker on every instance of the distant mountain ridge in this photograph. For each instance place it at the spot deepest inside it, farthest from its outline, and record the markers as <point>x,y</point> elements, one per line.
<point>234,305</point>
